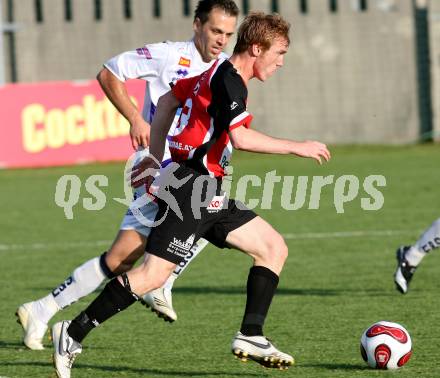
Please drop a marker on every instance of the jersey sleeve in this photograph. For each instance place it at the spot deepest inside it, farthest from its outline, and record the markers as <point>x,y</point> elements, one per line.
<point>229,97</point>
<point>182,88</point>
<point>143,63</point>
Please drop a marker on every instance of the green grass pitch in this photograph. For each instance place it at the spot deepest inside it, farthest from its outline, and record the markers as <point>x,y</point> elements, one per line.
<point>336,282</point>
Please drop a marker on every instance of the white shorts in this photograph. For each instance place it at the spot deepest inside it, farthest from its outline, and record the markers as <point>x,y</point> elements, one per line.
<point>139,217</point>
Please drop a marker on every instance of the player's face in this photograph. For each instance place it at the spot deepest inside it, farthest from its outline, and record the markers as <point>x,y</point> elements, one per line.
<point>270,60</point>
<point>213,36</point>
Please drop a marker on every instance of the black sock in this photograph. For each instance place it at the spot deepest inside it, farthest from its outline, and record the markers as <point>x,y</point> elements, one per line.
<point>114,298</point>
<point>261,286</point>
<point>105,268</point>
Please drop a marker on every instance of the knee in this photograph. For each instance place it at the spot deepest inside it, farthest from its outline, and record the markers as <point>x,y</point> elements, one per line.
<point>283,249</point>
<point>276,248</point>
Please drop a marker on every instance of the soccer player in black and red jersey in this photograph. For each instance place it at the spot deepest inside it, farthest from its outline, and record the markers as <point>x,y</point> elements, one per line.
<point>214,120</point>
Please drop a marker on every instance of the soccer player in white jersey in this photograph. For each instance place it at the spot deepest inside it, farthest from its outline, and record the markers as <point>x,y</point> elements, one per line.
<point>159,64</point>
<point>409,257</point>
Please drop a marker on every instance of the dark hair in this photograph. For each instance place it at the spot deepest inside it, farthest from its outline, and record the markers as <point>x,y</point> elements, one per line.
<point>260,28</point>
<point>204,7</point>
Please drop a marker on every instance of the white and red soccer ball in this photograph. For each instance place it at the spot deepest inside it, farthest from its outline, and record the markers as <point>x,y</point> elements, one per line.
<point>386,345</point>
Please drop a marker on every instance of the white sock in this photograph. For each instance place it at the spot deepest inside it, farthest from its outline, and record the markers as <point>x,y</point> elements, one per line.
<point>170,282</point>
<point>429,241</point>
<point>84,280</point>
<point>45,308</point>
<point>195,250</point>
<point>414,256</point>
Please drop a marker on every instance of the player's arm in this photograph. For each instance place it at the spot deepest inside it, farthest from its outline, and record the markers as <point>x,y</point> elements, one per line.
<point>165,112</point>
<point>228,109</point>
<point>145,63</point>
<point>243,138</point>
<point>117,93</point>
<point>163,118</point>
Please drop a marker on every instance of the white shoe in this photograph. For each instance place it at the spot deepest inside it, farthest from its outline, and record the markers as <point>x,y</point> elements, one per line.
<point>161,303</point>
<point>65,349</point>
<point>261,350</point>
<point>33,329</point>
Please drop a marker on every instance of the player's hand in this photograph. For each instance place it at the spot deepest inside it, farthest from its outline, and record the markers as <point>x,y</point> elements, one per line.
<point>313,149</point>
<point>139,132</point>
<point>143,173</point>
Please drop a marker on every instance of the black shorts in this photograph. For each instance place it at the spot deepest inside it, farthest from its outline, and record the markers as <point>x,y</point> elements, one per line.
<point>173,236</point>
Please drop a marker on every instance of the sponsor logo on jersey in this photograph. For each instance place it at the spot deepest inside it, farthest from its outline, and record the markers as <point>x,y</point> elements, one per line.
<point>216,204</point>
<point>179,145</point>
<point>226,156</point>
<point>184,62</point>
<point>182,73</point>
<point>145,52</point>
<point>234,105</point>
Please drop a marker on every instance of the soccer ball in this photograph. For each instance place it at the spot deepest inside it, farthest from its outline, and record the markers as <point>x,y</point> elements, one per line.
<point>386,345</point>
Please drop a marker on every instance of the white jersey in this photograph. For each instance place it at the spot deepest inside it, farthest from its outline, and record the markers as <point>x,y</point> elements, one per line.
<point>159,64</point>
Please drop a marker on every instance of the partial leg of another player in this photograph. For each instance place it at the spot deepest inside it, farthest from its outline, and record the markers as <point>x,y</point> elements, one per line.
<point>160,300</point>
<point>127,248</point>
<point>409,257</point>
<point>120,293</point>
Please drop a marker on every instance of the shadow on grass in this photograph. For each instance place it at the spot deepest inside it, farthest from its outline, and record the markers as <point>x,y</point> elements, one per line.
<point>330,366</point>
<point>242,290</point>
<point>28,363</point>
<point>146,371</point>
<point>11,345</point>
<point>319,292</point>
<point>19,346</point>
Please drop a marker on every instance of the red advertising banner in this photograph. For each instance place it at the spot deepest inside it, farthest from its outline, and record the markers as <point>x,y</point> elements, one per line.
<point>61,123</point>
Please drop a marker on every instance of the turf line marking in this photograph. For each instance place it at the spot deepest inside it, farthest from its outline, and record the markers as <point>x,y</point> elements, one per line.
<point>59,245</point>
<point>344,234</point>
<point>289,236</point>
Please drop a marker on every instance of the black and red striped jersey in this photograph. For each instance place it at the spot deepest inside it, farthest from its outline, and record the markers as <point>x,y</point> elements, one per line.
<point>213,104</point>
